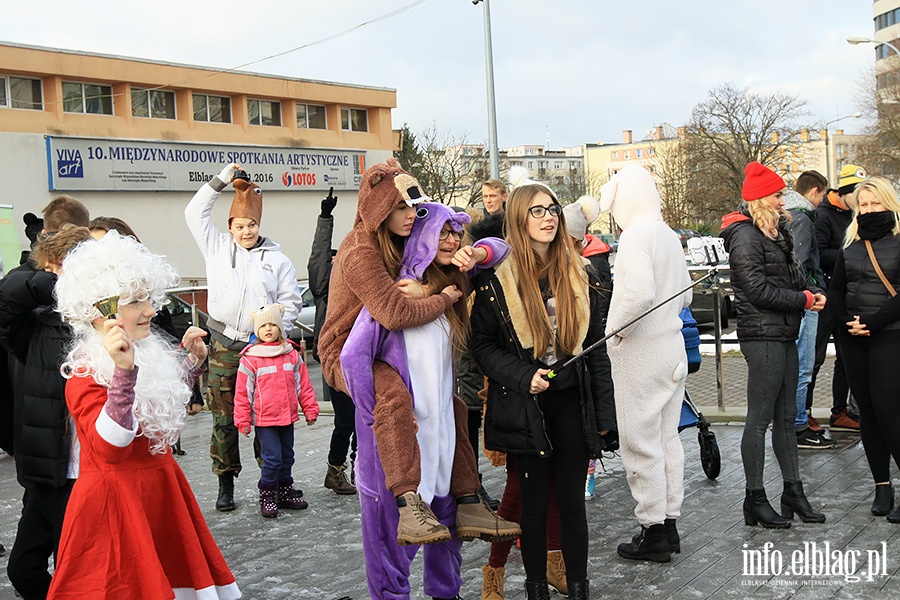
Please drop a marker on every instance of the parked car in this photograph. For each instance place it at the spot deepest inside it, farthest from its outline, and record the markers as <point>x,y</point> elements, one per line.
<point>685,234</point>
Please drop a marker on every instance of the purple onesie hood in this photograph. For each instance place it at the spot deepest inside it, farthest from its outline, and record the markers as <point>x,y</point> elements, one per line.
<point>423,241</point>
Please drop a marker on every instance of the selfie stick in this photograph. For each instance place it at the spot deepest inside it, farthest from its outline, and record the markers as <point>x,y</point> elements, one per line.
<point>596,344</point>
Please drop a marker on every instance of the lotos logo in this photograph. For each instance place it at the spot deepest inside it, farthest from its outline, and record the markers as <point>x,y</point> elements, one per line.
<point>69,163</point>
<point>299,179</point>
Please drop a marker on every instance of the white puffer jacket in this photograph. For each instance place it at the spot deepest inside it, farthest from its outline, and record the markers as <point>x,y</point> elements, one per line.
<point>240,280</point>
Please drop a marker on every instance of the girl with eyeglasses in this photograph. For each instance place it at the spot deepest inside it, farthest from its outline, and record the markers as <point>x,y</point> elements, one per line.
<point>373,294</point>
<point>539,307</point>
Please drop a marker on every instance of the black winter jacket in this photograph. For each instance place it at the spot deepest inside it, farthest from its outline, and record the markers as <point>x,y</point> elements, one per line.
<point>319,267</point>
<point>831,227</point>
<point>768,292</point>
<point>857,290</point>
<point>514,422</point>
<point>35,334</point>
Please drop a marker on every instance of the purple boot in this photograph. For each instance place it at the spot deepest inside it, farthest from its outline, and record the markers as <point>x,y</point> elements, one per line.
<point>288,497</point>
<point>268,499</point>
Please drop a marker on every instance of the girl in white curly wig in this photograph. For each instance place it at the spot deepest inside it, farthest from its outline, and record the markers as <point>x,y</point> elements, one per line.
<point>127,393</point>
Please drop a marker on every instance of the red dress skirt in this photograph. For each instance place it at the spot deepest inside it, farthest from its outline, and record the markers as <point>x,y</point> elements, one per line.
<point>132,528</point>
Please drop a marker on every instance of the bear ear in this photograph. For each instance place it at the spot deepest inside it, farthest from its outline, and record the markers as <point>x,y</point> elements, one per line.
<point>394,163</point>
<point>375,179</point>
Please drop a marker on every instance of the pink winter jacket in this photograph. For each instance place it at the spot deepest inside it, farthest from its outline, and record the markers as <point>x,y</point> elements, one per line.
<point>272,386</point>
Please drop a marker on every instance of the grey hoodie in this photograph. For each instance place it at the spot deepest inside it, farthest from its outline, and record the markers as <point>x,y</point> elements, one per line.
<point>803,229</point>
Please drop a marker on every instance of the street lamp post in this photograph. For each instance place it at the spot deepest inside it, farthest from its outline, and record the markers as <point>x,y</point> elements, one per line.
<point>855,40</point>
<point>493,147</point>
<point>828,142</point>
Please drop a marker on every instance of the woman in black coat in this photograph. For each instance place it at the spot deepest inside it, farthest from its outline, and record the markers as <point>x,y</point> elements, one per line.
<point>770,296</point>
<point>540,307</point>
<point>868,314</point>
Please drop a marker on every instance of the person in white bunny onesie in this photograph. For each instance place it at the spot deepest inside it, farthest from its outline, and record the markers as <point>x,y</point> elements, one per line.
<point>649,364</point>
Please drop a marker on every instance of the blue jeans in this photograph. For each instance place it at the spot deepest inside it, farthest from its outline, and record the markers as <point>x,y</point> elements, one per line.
<point>276,445</point>
<point>771,396</point>
<point>806,350</point>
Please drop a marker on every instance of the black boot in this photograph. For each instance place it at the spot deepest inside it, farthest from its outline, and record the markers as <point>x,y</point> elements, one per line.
<point>649,544</point>
<point>884,500</point>
<point>672,536</point>
<point>758,510</point>
<point>579,590</point>
<point>793,500</point>
<point>225,502</point>
<point>537,590</point>
<point>894,517</point>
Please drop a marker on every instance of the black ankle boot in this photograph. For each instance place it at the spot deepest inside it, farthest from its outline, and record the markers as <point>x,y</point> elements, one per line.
<point>579,590</point>
<point>537,590</point>
<point>225,501</point>
<point>649,544</point>
<point>672,536</point>
<point>758,510</point>
<point>793,500</point>
<point>894,517</point>
<point>884,500</point>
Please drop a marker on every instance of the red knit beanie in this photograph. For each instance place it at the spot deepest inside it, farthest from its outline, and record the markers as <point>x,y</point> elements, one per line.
<point>760,181</point>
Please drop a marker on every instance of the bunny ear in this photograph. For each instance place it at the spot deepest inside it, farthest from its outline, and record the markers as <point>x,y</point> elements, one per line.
<point>608,194</point>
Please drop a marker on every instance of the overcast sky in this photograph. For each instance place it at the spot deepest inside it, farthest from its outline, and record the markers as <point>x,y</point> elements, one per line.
<point>582,69</point>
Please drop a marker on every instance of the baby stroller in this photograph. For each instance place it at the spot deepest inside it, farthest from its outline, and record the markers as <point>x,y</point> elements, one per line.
<point>690,416</point>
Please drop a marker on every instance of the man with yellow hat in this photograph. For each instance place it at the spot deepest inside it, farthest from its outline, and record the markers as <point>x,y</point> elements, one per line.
<point>833,216</point>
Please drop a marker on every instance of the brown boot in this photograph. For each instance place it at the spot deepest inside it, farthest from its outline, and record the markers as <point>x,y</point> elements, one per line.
<point>336,480</point>
<point>418,525</point>
<point>492,585</point>
<point>556,573</point>
<point>476,520</point>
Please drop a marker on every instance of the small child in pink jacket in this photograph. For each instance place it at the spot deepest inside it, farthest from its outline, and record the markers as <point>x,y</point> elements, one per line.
<point>272,387</point>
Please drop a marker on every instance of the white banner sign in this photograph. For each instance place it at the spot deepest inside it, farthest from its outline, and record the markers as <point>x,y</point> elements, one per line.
<point>125,165</point>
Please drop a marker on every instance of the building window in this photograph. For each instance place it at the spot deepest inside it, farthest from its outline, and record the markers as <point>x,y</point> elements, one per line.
<point>627,154</point>
<point>19,92</point>
<point>615,155</point>
<point>212,109</point>
<point>558,165</point>
<point>311,116</point>
<point>89,98</point>
<point>651,151</point>
<point>264,112</point>
<point>354,119</point>
<point>639,153</point>
<point>153,104</point>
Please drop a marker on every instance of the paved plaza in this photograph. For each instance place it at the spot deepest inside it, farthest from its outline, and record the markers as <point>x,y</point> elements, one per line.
<point>317,554</point>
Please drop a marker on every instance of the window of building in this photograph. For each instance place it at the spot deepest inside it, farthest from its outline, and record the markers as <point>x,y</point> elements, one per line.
<point>311,116</point>
<point>558,165</point>
<point>153,104</point>
<point>212,109</point>
<point>20,92</point>
<point>615,155</point>
<point>89,98</point>
<point>627,154</point>
<point>354,119</point>
<point>264,112</point>
<point>651,151</point>
<point>891,17</point>
<point>639,153</point>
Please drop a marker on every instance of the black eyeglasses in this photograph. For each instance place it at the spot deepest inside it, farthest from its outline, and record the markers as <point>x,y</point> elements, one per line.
<point>445,233</point>
<point>538,212</point>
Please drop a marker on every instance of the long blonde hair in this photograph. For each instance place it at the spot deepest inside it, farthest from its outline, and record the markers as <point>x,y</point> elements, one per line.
<point>562,266</point>
<point>885,193</point>
<point>766,217</point>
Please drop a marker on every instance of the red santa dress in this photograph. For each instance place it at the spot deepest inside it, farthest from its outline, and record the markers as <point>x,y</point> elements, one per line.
<point>133,528</point>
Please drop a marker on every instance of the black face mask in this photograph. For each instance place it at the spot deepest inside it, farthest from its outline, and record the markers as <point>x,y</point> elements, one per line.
<point>874,226</point>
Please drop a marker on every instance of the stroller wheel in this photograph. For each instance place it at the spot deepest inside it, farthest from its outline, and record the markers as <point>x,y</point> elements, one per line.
<point>709,454</point>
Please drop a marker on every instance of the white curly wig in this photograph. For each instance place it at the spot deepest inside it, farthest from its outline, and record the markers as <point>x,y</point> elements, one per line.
<point>120,266</point>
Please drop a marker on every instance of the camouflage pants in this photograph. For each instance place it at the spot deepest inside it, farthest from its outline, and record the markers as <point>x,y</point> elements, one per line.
<point>223,447</point>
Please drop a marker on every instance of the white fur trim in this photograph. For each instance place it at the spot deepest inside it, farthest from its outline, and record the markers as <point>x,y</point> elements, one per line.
<point>114,433</point>
<point>590,208</point>
<point>213,592</point>
<point>518,175</point>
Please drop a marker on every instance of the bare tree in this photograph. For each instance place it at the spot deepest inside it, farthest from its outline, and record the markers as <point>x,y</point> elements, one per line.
<point>729,129</point>
<point>880,150</point>
<point>671,165</point>
<point>449,165</point>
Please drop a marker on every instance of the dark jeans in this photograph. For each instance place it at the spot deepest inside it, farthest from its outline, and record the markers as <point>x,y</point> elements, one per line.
<point>276,446</point>
<point>872,368</point>
<point>840,389</point>
<point>344,433</point>
<point>37,539</point>
<point>772,372</point>
<point>566,468</point>
<point>474,425</point>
